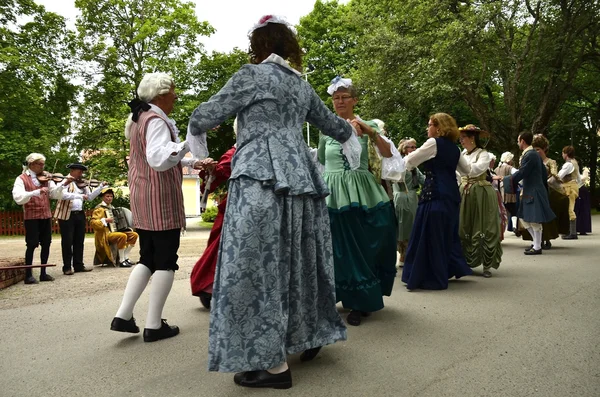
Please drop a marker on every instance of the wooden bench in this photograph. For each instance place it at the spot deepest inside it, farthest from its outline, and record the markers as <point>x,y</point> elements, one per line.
<point>12,271</point>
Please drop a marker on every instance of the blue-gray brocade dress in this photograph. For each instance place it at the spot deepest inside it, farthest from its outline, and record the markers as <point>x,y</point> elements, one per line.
<point>274,290</point>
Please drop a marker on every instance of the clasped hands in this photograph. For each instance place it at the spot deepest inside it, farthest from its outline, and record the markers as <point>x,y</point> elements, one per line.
<point>362,128</point>
<point>208,164</point>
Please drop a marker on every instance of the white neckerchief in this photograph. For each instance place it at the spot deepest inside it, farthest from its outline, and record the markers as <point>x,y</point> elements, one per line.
<point>171,122</point>
<point>274,58</point>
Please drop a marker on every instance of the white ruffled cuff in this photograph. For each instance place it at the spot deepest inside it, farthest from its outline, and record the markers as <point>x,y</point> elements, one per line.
<point>352,149</point>
<point>392,168</point>
<point>197,144</point>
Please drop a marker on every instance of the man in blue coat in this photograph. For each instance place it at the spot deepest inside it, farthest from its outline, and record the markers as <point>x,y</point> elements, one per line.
<point>534,208</point>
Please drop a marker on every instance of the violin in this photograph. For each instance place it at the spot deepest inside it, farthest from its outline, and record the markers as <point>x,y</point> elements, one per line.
<point>81,183</point>
<point>46,176</point>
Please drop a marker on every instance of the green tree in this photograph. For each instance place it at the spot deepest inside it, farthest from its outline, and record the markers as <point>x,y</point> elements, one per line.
<point>120,41</point>
<point>211,74</point>
<point>512,63</point>
<point>35,109</point>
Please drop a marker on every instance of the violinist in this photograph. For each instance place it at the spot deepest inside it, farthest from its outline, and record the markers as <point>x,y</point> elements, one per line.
<point>33,192</point>
<point>71,218</point>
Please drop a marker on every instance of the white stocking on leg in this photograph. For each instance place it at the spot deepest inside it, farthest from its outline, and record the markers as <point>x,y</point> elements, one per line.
<point>279,369</point>
<point>121,255</point>
<point>127,251</point>
<point>159,291</point>
<point>537,239</point>
<point>138,279</point>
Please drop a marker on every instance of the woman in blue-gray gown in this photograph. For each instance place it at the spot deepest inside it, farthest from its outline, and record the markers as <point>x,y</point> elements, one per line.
<point>274,291</point>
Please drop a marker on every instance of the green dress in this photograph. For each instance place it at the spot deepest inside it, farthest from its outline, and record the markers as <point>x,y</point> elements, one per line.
<point>363,229</point>
<point>406,202</point>
<point>479,226</point>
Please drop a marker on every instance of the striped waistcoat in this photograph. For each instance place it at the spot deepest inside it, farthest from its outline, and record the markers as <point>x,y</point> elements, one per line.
<point>63,208</point>
<point>37,207</point>
<point>156,197</point>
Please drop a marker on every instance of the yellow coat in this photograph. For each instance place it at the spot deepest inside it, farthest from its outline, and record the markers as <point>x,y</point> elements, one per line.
<point>104,254</point>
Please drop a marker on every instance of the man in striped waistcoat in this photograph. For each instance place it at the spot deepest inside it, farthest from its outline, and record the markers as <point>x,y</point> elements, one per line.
<point>34,196</point>
<point>155,176</point>
<point>71,219</point>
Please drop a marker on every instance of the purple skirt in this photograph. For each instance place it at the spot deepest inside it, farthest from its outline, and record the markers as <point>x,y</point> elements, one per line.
<point>583,211</point>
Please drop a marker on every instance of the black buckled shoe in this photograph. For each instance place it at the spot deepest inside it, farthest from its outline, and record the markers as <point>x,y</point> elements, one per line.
<point>125,263</point>
<point>165,331</point>
<point>46,277</point>
<point>30,280</point>
<point>120,325</point>
<point>533,252</point>
<point>205,299</point>
<point>264,379</point>
<point>309,354</point>
<point>354,318</point>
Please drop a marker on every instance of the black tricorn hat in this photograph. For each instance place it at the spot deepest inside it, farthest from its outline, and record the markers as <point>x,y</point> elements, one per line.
<point>77,166</point>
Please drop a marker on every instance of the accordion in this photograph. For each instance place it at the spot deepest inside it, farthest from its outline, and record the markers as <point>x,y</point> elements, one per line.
<point>122,220</point>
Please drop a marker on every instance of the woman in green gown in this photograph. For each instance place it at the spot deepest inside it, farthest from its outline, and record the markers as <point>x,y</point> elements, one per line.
<point>406,200</point>
<point>479,228</point>
<point>363,225</point>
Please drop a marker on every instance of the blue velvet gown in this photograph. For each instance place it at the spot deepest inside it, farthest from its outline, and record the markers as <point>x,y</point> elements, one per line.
<point>434,252</point>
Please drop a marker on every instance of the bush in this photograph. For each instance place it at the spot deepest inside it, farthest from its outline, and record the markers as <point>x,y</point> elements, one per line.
<point>210,214</point>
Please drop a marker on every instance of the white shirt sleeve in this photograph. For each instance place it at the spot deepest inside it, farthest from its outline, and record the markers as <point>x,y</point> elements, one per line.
<point>566,169</point>
<point>426,152</point>
<point>56,190</point>
<point>66,195</point>
<point>463,167</point>
<point>95,193</point>
<point>159,146</point>
<point>20,195</point>
<point>481,165</point>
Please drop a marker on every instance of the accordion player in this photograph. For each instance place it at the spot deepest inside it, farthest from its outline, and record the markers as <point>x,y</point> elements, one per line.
<point>114,237</point>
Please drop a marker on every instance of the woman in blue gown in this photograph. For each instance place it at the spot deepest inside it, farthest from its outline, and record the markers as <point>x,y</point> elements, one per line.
<point>434,252</point>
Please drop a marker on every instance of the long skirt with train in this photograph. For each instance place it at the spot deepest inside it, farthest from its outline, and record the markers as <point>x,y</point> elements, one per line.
<point>274,291</point>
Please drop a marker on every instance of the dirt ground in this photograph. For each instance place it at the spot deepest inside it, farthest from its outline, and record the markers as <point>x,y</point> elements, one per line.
<point>83,284</point>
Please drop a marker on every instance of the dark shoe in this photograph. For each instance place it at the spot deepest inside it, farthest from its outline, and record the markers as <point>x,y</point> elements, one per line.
<point>354,318</point>
<point>309,354</point>
<point>547,245</point>
<point>130,262</point>
<point>487,274</point>
<point>205,299</point>
<point>533,252</point>
<point>120,325</point>
<point>46,277</point>
<point>530,248</point>
<point>68,272</point>
<point>31,280</point>
<point>570,237</point>
<point>84,269</point>
<point>264,379</point>
<point>125,264</point>
<point>165,331</point>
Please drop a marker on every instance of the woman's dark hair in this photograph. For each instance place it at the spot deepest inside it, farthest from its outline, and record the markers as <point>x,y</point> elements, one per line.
<point>569,151</point>
<point>275,38</point>
<point>472,134</point>
<point>540,141</point>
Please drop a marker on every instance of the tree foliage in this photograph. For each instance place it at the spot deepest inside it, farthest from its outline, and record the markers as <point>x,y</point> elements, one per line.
<point>119,42</point>
<point>37,95</point>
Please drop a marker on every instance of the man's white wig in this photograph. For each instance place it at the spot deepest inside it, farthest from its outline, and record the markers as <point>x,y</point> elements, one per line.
<point>32,157</point>
<point>151,86</point>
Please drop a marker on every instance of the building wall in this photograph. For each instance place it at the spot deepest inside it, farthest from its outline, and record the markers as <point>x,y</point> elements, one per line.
<point>191,195</point>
